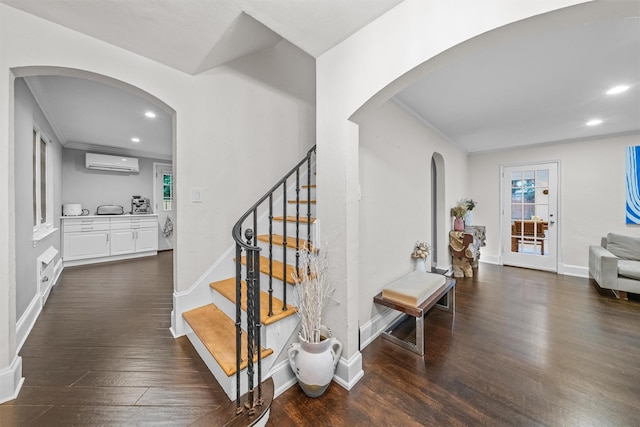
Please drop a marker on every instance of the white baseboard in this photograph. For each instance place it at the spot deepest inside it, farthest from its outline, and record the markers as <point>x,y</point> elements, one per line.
<point>379,323</point>
<point>11,380</point>
<point>74,263</point>
<point>349,372</point>
<point>27,320</point>
<point>283,378</point>
<point>30,315</point>
<point>489,259</point>
<point>574,270</point>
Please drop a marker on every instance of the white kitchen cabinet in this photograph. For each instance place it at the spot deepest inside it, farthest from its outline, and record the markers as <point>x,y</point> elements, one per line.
<point>103,238</point>
<point>134,234</point>
<point>85,238</point>
<point>123,242</point>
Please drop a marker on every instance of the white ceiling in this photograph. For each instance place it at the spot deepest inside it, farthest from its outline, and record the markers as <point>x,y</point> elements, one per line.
<point>90,115</point>
<point>537,81</point>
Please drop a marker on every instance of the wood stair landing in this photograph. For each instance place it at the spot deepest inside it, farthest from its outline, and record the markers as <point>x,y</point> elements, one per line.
<point>227,288</point>
<point>218,334</point>
<point>278,269</point>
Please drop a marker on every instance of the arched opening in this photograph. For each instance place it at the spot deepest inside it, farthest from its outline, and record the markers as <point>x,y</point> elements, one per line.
<point>24,311</point>
<point>438,217</point>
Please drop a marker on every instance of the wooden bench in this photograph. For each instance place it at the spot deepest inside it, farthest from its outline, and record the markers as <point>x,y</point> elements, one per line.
<point>440,296</point>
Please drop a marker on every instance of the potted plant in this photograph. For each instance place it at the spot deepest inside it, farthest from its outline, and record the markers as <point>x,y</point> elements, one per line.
<point>458,212</point>
<point>468,217</point>
<point>315,357</point>
<point>421,251</point>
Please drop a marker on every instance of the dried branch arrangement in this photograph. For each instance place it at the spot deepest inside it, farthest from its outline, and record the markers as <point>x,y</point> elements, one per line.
<point>311,293</point>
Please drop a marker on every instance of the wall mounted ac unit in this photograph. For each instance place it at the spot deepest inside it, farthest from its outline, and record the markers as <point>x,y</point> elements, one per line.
<point>107,162</point>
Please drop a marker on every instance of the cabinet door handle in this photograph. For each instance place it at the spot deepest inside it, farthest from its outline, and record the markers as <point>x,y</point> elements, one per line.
<point>87,228</point>
<point>107,237</point>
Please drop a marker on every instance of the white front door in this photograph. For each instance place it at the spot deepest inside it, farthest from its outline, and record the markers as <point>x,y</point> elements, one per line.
<point>530,215</point>
<point>163,204</point>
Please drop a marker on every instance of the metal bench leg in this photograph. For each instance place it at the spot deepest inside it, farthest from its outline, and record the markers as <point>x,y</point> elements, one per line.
<point>418,347</point>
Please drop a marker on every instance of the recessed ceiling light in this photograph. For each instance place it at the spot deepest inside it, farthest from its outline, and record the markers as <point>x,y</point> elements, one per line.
<point>617,89</point>
<point>135,139</point>
<point>150,114</point>
<point>594,122</point>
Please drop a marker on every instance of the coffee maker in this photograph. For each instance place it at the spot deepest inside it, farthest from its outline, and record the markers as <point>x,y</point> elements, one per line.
<point>140,205</point>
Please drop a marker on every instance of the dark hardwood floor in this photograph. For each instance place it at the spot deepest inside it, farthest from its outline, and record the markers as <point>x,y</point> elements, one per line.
<point>525,348</point>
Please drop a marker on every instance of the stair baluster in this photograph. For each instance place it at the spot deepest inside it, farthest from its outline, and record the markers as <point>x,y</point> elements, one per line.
<point>238,326</point>
<point>284,243</point>
<point>298,220</point>
<point>309,205</point>
<point>271,254</point>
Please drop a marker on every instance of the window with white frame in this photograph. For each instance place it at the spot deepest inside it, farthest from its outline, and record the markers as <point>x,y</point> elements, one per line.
<point>42,188</point>
<point>167,191</point>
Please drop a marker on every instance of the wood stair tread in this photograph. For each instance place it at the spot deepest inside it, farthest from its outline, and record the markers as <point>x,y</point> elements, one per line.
<point>309,186</point>
<point>292,219</point>
<point>218,334</point>
<point>227,288</point>
<point>302,202</point>
<point>278,239</point>
<point>278,269</point>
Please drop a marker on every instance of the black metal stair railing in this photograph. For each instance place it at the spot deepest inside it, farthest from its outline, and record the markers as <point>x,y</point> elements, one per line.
<point>248,243</point>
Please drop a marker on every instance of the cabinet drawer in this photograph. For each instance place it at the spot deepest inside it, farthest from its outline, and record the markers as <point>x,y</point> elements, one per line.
<point>86,228</point>
<point>85,221</point>
<point>132,223</point>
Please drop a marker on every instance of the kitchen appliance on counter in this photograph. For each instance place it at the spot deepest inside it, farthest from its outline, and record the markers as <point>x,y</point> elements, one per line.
<point>110,210</point>
<point>74,209</point>
<point>140,205</point>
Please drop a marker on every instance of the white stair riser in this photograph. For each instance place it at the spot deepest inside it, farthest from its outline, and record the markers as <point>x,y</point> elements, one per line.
<point>278,252</point>
<point>273,336</point>
<point>291,229</point>
<point>291,208</point>
<point>276,285</point>
<point>228,384</point>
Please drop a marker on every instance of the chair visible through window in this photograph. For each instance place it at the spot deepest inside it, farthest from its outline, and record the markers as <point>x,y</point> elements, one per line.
<point>527,232</point>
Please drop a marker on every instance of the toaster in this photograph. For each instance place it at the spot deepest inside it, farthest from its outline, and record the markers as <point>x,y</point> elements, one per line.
<point>110,210</point>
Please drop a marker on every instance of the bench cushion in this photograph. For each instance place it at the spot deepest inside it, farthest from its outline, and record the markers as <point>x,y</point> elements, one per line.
<point>414,288</point>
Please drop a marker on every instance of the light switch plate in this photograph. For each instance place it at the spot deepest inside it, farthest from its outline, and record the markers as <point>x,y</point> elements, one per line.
<point>196,195</point>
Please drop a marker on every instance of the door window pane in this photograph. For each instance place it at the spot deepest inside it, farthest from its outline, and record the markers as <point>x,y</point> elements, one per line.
<point>167,191</point>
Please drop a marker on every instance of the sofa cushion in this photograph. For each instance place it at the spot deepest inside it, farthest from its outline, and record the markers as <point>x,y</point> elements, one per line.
<point>630,269</point>
<point>624,247</point>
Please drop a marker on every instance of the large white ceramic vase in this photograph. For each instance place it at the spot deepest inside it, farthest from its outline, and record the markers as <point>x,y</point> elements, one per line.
<point>315,363</point>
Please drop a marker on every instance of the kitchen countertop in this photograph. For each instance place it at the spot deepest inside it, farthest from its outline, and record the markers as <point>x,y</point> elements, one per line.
<point>106,216</point>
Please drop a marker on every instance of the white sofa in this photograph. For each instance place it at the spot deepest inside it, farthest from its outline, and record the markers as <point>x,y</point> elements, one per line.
<point>615,264</point>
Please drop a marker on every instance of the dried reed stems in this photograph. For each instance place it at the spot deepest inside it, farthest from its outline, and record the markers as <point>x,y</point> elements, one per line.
<point>311,293</point>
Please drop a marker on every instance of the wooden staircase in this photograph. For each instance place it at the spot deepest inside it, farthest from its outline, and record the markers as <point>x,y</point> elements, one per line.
<point>214,325</point>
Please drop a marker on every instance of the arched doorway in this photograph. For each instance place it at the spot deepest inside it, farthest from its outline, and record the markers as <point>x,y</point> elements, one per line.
<point>438,217</point>
<point>30,251</point>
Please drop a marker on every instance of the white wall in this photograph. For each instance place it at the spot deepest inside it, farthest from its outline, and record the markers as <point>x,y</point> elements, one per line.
<point>351,74</point>
<point>235,135</point>
<point>92,188</point>
<point>28,114</point>
<point>395,208</point>
<point>592,194</point>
